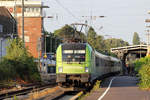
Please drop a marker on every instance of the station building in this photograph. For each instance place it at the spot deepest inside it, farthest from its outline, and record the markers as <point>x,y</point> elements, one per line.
<point>33,22</point>
<point>8,28</point>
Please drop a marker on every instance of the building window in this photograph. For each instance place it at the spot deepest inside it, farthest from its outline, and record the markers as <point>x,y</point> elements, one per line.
<point>27,10</point>
<point>37,9</point>
<point>1,28</point>
<point>32,9</point>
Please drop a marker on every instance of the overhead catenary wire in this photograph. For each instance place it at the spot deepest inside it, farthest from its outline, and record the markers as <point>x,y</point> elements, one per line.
<point>67,10</point>
<point>73,15</point>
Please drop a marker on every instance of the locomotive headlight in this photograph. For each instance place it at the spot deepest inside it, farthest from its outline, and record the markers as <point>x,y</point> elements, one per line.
<point>60,69</point>
<point>86,69</point>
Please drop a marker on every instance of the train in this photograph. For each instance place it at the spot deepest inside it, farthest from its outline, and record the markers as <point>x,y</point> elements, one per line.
<point>48,68</point>
<point>79,63</point>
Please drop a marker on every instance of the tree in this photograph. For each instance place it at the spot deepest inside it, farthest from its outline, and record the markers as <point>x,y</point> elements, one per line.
<point>52,42</point>
<point>96,41</point>
<point>113,43</point>
<point>67,33</point>
<point>136,39</point>
<point>99,46</point>
<point>91,37</point>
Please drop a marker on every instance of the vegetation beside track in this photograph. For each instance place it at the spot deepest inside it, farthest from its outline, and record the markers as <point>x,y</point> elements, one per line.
<point>18,64</point>
<point>96,87</point>
<point>142,66</point>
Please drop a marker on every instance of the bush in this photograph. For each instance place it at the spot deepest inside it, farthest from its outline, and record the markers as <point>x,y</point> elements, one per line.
<point>144,73</point>
<point>140,62</point>
<point>142,66</point>
<point>18,64</point>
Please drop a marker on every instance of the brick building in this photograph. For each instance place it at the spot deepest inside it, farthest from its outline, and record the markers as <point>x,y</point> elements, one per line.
<point>32,21</point>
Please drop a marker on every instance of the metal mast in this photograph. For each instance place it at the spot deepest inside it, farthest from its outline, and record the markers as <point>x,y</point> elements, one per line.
<point>23,23</point>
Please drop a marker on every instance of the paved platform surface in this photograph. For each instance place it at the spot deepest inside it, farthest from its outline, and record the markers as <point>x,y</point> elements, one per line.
<point>122,88</point>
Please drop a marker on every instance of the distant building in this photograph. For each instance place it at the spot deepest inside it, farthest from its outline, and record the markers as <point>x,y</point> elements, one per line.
<point>8,29</point>
<point>33,21</point>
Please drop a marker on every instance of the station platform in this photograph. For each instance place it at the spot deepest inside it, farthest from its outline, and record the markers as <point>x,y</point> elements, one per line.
<point>119,88</point>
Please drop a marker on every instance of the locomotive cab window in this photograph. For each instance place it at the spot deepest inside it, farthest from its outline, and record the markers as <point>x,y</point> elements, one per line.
<point>72,53</point>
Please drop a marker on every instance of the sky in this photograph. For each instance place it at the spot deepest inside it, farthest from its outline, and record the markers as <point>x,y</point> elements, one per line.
<point>122,17</point>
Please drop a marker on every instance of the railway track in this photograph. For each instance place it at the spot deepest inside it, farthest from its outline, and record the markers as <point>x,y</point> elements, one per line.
<point>58,93</point>
<point>44,92</point>
<point>29,89</point>
<point>70,96</point>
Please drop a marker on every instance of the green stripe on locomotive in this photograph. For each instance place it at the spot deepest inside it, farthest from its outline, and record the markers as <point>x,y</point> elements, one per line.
<point>73,67</point>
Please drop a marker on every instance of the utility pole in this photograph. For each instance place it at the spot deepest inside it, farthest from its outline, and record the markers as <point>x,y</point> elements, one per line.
<point>148,37</point>
<point>91,18</point>
<point>147,31</point>
<point>1,40</point>
<point>23,23</point>
<point>148,47</point>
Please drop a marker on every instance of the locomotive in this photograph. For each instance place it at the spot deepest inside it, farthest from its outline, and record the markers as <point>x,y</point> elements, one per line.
<point>79,63</point>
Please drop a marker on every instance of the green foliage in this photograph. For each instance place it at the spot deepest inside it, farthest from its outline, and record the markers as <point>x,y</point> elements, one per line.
<point>136,39</point>
<point>100,46</point>
<point>91,37</point>
<point>52,42</point>
<point>68,33</point>
<point>91,33</point>
<point>144,73</point>
<point>95,40</point>
<point>18,64</point>
<point>113,43</point>
<point>142,66</point>
<point>97,85</point>
<point>15,49</point>
<point>140,62</point>
<point>15,98</point>
<point>65,32</point>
